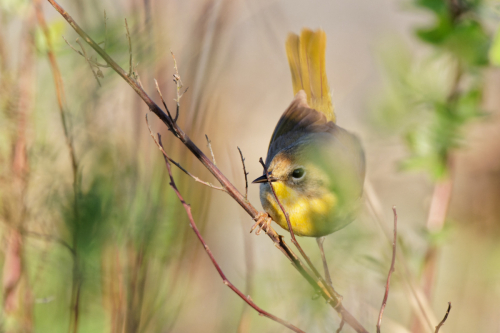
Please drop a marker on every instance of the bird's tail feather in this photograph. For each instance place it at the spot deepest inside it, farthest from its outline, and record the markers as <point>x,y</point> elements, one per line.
<point>306,57</point>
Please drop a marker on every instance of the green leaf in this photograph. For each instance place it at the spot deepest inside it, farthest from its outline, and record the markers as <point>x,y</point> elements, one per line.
<point>430,142</point>
<point>437,6</point>
<point>468,105</point>
<point>463,36</point>
<point>443,25</point>
<point>469,42</point>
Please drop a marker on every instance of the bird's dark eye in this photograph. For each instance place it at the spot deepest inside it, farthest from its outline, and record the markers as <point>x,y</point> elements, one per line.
<point>298,173</point>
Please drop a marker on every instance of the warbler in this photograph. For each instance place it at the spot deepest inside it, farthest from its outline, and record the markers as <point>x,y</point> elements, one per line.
<point>317,168</point>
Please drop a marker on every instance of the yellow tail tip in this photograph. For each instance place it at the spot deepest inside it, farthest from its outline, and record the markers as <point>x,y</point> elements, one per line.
<point>306,57</point>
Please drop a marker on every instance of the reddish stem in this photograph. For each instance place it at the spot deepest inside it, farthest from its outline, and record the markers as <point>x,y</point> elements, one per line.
<point>247,299</point>
<point>230,188</point>
<point>391,270</point>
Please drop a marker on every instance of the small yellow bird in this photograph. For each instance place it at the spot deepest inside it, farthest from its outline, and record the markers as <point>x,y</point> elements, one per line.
<point>317,168</point>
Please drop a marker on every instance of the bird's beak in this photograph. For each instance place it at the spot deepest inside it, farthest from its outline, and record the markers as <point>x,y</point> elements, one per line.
<point>263,179</point>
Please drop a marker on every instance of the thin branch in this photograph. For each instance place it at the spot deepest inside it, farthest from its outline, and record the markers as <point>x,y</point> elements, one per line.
<point>137,77</point>
<point>92,61</point>
<point>391,270</point>
<point>209,145</point>
<point>341,326</point>
<point>294,240</point>
<point>226,184</point>
<point>170,128</point>
<point>244,172</point>
<point>129,49</point>
<point>444,319</point>
<point>248,246</point>
<point>178,83</point>
<point>247,299</point>
<point>88,61</point>
<point>179,166</point>
<point>50,238</point>
<point>376,211</point>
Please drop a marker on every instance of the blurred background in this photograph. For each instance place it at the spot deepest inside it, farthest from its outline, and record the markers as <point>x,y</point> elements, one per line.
<point>93,239</point>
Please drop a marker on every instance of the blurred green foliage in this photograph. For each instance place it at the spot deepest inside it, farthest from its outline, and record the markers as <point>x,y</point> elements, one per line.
<point>494,53</point>
<point>140,267</point>
<point>57,28</point>
<point>430,100</point>
<point>124,237</point>
<point>457,29</point>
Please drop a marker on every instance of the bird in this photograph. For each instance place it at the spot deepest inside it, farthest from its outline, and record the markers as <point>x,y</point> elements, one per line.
<point>316,167</point>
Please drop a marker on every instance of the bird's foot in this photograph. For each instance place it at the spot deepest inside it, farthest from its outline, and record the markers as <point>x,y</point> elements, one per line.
<point>263,222</point>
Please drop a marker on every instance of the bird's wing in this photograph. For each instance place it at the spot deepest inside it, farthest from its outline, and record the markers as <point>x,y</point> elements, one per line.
<point>297,120</point>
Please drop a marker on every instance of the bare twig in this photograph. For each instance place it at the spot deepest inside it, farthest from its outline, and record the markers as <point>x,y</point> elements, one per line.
<point>444,319</point>
<point>341,326</point>
<point>245,317</point>
<point>247,299</point>
<point>279,242</point>
<point>92,61</point>
<point>294,240</point>
<point>245,172</point>
<point>178,84</point>
<point>209,145</point>
<point>130,68</point>
<point>420,304</point>
<point>320,241</point>
<point>179,166</point>
<point>391,270</point>
<point>88,61</point>
<point>170,128</point>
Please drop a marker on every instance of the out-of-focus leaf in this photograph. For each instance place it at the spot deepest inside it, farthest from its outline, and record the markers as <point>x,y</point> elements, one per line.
<point>438,33</point>
<point>461,35</point>
<point>15,7</point>
<point>429,142</point>
<point>437,6</point>
<point>494,53</point>
<point>443,25</point>
<point>469,43</point>
<point>468,105</point>
<point>56,31</point>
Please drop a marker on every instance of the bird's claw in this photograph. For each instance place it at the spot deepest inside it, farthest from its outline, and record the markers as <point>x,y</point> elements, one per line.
<point>263,222</point>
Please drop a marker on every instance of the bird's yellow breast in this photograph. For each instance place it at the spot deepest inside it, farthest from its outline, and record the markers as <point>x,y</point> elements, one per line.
<point>309,216</point>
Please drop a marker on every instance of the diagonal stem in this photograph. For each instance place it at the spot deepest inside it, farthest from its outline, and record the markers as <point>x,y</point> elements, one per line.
<point>328,278</point>
<point>391,270</point>
<point>329,296</point>
<point>247,299</point>
<point>244,172</point>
